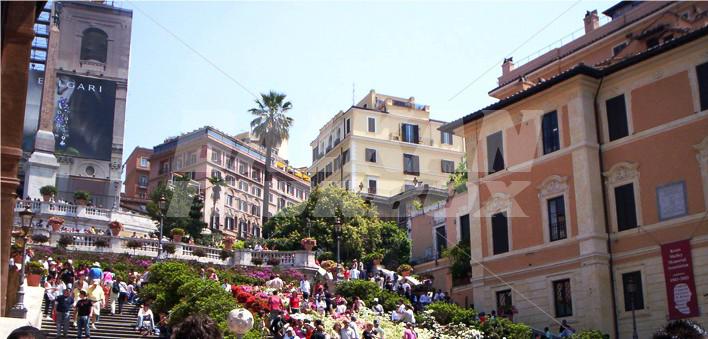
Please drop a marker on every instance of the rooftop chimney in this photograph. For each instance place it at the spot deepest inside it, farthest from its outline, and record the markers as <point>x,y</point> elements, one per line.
<point>592,21</point>
<point>507,66</point>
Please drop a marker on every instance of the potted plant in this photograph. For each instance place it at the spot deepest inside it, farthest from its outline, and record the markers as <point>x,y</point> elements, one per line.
<point>82,197</point>
<point>39,238</point>
<point>134,244</point>
<point>102,242</point>
<point>16,253</point>
<point>229,242</point>
<point>273,261</point>
<point>116,227</point>
<point>308,243</point>
<point>225,254</point>
<point>257,261</point>
<point>329,265</point>
<point>199,252</point>
<point>56,223</point>
<point>36,269</point>
<point>405,270</point>
<point>48,192</point>
<point>177,234</point>
<point>375,258</point>
<point>169,247</point>
<point>65,240</point>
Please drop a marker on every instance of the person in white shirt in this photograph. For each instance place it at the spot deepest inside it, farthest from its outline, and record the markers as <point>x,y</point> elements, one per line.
<point>354,273</point>
<point>275,283</point>
<point>341,308</point>
<point>226,286</point>
<point>305,288</point>
<point>408,315</point>
<point>378,308</point>
<point>347,331</point>
<point>258,248</point>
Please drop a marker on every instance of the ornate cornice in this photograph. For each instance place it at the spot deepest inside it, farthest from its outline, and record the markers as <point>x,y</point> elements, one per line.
<point>498,202</point>
<point>553,185</point>
<point>702,156</point>
<point>623,171</point>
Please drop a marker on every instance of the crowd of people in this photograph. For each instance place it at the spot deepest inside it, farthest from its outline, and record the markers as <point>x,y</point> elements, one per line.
<point>75,296</point>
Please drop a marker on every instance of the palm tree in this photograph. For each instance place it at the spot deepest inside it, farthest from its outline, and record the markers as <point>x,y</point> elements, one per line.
<point>216,183</point>
<point>271,126</point>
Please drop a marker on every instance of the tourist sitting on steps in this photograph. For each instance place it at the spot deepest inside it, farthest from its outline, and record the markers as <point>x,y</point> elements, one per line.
<point>146,321</point>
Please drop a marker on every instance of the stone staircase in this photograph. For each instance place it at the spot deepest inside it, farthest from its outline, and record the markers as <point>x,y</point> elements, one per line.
<point>118,326</point>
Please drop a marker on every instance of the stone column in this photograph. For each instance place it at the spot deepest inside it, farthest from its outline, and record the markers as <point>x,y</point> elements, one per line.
<point>592,234</point>
<point>41,167</point>
<point>17,35</point>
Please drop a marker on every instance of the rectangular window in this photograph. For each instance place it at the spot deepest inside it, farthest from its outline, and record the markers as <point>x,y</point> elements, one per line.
<point>256,191</point>
<point>495,152</point>
<point>556,218</point>
<point>372,186</point>
<point>702,75</point>
<point>633,291</point>
<point>411,164</point>
<point>562,298</point>
<point>500,233</point>
<point>370,155</point>
<point>503,300</point>
<point>337,162</point>
<point>551,137</point>
<point>465,229</point>
<point>617,125</point>
<point>328,170</point>
<point>440,240</point>
<point>445,138</point>
<point>242,168</point>
<point>447,166</point>
<point>281,203</point>
<point>144,162</point>
<point>409,133</point>
<point>372,124</point>
<point>216,156</point>
<point>215,174</point>
<point>229,200</point>
<point>345,157</point>
<point>255,174</point>
<point>143,181</point>
<point>315,153</point>
<point>347,126</point>
<point>625,207</point>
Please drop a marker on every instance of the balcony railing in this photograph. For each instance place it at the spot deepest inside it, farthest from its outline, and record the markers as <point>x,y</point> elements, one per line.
<point>149,247</point>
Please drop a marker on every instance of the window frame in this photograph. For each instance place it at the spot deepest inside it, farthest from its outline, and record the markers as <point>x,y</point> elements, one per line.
<point>415,163</point>
<point>490,169</point>
<point>508,232</point>
<point>368,124</point>
<point>99,33</point>
<point>442,138</point>
<point>605,118</point>
<point>702,99</point>
<point>565,217</point>
<point>620,174</point>
<point>642,291</point>
<point>555,300</point>
<point>556,146</point>
<point>367,158</point>
<point>442,166</point>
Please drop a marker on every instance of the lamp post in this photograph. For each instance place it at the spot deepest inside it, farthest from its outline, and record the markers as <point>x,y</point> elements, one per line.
<point>632,289</point>
<point>19,310</point>
<point>162,204</point>
<point>338,231</point>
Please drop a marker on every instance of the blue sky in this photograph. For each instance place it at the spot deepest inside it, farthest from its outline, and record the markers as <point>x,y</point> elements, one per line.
<point>315,51</point>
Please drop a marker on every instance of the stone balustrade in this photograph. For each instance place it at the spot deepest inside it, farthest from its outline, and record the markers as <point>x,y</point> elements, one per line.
<point>86,242</point>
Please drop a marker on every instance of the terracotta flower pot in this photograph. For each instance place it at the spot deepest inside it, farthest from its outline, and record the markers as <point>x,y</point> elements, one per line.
<point>115,231</point>
<point>228,244</point>
<point>46,197</point>
<point>177,238</point>
<point>33,279</point>
<point>17,258</point>
<point>406,273</point>
<point>376,262</point>
<point>55,226</point>
<point>81,202</point>
<point>308,246</point>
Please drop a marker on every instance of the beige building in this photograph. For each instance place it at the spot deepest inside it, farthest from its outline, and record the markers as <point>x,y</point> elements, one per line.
<point>383,146</point>
<point>588,180</point>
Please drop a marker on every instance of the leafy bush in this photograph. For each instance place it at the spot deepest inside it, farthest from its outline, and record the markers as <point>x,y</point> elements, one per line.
<point>370,257</point>
<point>199,252</point>
<point>39,238</point>
<point>177,231</point>
<point>48,190</point>
<point>225,254</point>
<point>459,257</point>
<point>134,244</point>
<point>65,240</point>
<point>589,334</point>
<point>257,261</point>
<point>273,261</point>
<point>404,268</point>
<point>35,267</point>
<point>368,290</point>
<point>82,195</point>
<point>169,247</point>
<point>102,242</point>
<point>446,313</point>
<point>502,327</point>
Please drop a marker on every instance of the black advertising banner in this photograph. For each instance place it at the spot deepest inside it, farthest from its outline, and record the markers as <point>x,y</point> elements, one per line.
<point>35,83</point>
<point>83,116</point>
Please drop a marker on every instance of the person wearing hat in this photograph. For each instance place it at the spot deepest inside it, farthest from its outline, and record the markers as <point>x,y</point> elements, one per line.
<point>95,273</point>
<point>97,296</point>
<point>378,308</point>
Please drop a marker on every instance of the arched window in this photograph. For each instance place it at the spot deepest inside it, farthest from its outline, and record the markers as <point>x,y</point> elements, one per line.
<point>94,45</point>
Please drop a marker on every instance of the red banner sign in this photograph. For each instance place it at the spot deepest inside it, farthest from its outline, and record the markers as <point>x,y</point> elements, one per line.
<point>680,287</point>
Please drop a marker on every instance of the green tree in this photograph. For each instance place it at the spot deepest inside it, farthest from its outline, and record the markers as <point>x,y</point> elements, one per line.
<point>184,207</point>
<point>459,257</point>
<point>459,178</point>
<point>362,230</point>
<point>271,126</point>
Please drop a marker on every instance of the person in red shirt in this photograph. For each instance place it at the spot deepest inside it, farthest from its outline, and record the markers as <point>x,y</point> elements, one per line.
<point>294,302</point>
<point>275,305</point>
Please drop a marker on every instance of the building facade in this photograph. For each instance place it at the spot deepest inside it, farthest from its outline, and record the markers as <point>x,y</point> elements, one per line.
<point>234,208</point>
<point>588,180</point>
<point>388,150</point>
<point>75,139</point>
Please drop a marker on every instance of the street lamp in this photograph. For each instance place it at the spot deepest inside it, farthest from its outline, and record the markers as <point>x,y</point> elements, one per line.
<point>19,310</point>
<point>338,231</point>
<point>632,289</point>
<point>162,204</point>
